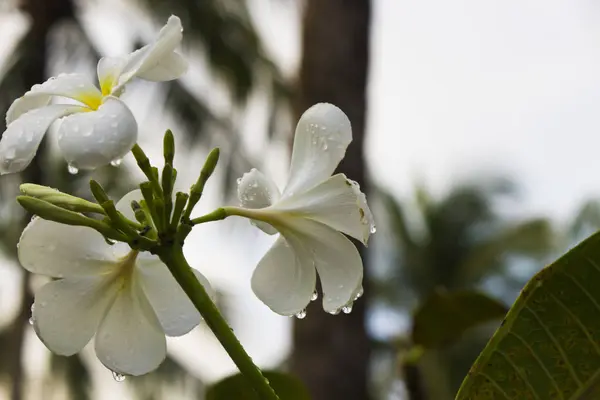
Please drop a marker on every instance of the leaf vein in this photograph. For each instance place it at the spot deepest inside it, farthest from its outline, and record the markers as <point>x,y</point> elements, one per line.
<point>539,361</point>
<point>556,343</point>
<point>519,372</point>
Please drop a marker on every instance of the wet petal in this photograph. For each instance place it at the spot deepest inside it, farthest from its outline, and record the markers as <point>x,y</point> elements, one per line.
<point>255,190</point>
<point>322,135</point>
<point>338,203</point>
<point>172,306</point>
<point>57,250</point>
<point>170,67</point>
<point>93,139</point>
<point>23,136</point>
<point>67,312</point>
<point>157,61</point>
<point>130,340</point>
<point>285,277</point>
<point>337,260</point>
<point>74,86</point>
<point>109,71</point>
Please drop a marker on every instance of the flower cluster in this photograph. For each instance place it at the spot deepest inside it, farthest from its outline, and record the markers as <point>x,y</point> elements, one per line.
<point>129,295</point>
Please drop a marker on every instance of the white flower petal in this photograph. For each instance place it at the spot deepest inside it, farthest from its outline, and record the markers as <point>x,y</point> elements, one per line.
<point>322,135</point>
<point>23,136</point>
<point>157,57</point>
<point>74,86</point>
<point>109,71</point>
<point>67,312</point>
<point>93,139</point>
<point>130,340</point>
<point>338,203</point>
<point>172,306</point>
<point>285,277</point>
<point>255,190</point>
<point>337,261</point>
<point>171,67</point>
<point>57,250</point>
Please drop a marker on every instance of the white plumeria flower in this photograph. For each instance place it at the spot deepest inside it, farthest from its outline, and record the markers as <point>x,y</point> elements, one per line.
<point>102,128</point>
<point>311,214</point>
<point>129,300</point>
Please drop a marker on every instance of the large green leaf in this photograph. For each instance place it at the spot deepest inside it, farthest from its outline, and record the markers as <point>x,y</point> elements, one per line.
<point>548,347</point>
<point>237,387</point>
<point>445,316</point>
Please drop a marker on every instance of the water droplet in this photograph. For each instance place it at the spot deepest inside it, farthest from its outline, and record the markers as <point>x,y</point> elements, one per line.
<point>314,296</point>
<point>72,169</point>
<point>334,312</point>
<point>239,180</point>
<point>31,321</point>
<point>347,309</point>
<point>118,377</point>
<point>373,229</point>
<point>301,314</point>
<point>117,162</point>
<point>359,294</point>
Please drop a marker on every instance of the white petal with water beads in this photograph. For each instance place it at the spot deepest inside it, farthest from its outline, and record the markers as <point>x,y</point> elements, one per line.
<point>312,215</point>
<point>92,139</point>
<point>128,300</point>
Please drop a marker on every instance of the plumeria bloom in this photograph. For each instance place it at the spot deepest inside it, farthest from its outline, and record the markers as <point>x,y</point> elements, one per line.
<point>99,130</point>
<point>312,213</point>
<point>128,299</point>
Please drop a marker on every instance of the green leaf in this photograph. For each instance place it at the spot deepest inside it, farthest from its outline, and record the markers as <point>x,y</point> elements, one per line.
<point>548,347</point>
<point>445,316</point>
<point>237,387</point>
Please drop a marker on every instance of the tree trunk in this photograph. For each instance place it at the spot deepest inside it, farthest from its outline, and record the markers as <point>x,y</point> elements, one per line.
<point>44,16</point>
<point>331,353</point>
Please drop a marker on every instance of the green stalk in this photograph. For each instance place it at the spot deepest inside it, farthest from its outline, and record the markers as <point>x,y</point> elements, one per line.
<point>173,257</point>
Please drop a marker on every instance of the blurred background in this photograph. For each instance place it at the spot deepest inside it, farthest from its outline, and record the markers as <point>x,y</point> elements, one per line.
<point>475,135</point>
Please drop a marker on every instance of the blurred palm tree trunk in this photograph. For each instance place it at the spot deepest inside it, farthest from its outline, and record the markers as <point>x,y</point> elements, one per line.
<point>44,15</point>
<point>331,353</point>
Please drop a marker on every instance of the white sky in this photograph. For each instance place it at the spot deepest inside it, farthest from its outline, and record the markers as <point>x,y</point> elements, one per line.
<point>457,87</point>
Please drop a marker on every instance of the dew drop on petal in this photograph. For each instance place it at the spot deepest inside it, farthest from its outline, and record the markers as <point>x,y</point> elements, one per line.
<point>373,229</point>
<point>117,162</point>
<point>72,169</point>
<point>314,296</point>
<point>359,294</point>
<point>347,309</point>
<point>239,180</point>
<point>31,320</point>
<point>301,314</point>
<point>118,377</point>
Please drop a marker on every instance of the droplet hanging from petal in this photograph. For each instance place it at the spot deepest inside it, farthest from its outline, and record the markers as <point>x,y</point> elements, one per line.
<point>118,377</point>
<point>72,169</point>
<point>314,296</point>
<point>301,314</point>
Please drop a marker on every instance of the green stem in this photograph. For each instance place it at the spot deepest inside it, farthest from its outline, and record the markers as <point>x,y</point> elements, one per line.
<point>173,257</point>
<point>216,215</point>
